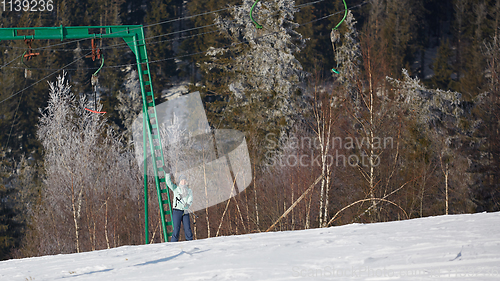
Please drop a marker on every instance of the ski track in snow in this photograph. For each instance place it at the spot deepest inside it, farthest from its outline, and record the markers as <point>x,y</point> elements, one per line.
<point>458,247</point>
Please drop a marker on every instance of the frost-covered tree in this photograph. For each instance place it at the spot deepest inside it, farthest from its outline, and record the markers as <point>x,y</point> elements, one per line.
<point>87,173</point>
<point>129,99</point>
<point>348,57</point>
<point>68,142</point>
<point>446,119</point>
<point>436,108</point>
<point>261,74</point>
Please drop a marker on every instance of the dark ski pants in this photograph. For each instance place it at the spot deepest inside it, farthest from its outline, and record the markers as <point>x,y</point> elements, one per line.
<point>179,216</point>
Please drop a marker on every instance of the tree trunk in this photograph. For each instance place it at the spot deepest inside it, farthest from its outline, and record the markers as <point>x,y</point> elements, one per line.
<point>446,186</point>
<point>76,213</point>
<point>308,213</point>
<point>106,223</point>
<point>206,206</point>
<point>372,170</point>
<point>255,202</point>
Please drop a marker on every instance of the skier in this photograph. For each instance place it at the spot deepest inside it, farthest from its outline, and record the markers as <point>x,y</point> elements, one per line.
<point>183,198</point>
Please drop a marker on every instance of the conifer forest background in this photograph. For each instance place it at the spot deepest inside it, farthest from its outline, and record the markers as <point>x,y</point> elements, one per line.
<point>408,126</point>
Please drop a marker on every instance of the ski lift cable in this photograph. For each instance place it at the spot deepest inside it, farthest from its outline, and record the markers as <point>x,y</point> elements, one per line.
<point>62,68</point>
<point>201,27</point>
<point>203,52</point>
<point>193,16</point>
<point>197,53</point>
<point>156,36</point>
<point>93,68</point>
<point>147,43</point>
<point>246,41</point>
<point>330,15</point>
<point>145,26</point>
<point>14,120</point>
<point>258,26</point>
<point>197,28</point>
<point>209,25</point>
<point>5,65</point>
<point>124,45</point>
<point>25,88</point>
<point>193,54</point>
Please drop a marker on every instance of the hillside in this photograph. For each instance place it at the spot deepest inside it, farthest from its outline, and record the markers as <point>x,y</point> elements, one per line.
<point>458,247</point>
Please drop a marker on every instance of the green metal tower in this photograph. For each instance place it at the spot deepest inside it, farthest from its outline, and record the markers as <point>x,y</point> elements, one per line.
<point>133,35</point>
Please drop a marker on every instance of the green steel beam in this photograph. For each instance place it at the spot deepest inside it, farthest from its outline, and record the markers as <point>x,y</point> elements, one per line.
<point>70,32</point>
<point>133,35</point>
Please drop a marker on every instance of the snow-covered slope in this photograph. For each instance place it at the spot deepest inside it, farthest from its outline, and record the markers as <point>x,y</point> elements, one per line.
<point>459,247</point>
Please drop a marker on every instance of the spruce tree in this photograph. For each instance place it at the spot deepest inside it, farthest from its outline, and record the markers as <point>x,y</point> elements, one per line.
<point>10,227</point>
<point>443,68</point>
<point>260,75</point>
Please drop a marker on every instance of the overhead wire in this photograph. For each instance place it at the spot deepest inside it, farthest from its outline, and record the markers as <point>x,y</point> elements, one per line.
<point>245,41</point>
<point>345,15</point>
<point>125,45</point>
<point>201,52</point>
<point>144,26</point>
<point>5,65</point>
<point>161,35</point>
<point>14,120</point>
<point>156,36</point>
<point>330,15</point>
<point>205,26</point>
<point>176,57</point>
<point>62,68</point>
<point>193,16</point>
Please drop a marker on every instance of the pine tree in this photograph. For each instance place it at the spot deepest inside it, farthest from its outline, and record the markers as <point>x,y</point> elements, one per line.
<point>348,58</point>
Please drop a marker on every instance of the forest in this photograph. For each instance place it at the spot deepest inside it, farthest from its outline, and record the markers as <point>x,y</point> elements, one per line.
<point>388,111</point>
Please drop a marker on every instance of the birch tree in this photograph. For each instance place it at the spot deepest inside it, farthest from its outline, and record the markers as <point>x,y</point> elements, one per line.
<point>86,170</point>
<point>370,109</point>
<point>324,110</point>
<point>60,140</point>
<point>364,111</point>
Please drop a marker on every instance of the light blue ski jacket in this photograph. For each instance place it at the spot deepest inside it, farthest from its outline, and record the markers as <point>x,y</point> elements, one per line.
<point>180,202</point>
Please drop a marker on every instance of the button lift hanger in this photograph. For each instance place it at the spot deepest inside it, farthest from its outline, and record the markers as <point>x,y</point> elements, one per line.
<point>96,54</point>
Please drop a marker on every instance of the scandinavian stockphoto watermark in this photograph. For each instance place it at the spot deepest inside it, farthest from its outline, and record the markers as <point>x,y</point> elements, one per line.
<point>342,151</point>
<point>216,162</point>
<point>371,272</point>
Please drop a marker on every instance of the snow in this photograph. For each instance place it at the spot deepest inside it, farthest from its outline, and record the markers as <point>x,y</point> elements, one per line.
<point>457,247</point>
<point>175,91</point>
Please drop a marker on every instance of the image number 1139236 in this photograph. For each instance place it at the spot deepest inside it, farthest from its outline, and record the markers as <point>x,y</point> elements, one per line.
<point>27,5</point>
